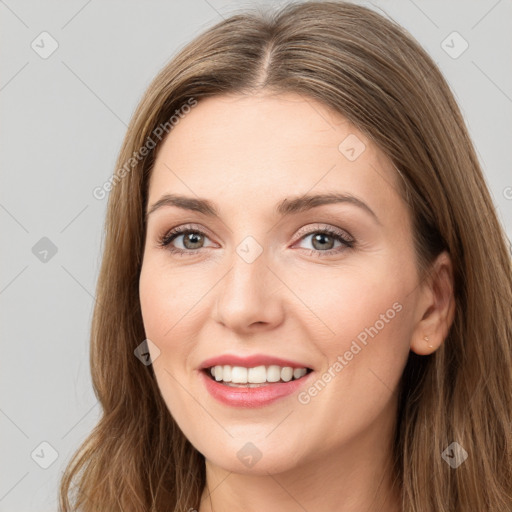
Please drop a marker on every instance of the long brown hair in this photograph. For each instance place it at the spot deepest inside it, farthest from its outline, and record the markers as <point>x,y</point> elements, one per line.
<point>371,71</point>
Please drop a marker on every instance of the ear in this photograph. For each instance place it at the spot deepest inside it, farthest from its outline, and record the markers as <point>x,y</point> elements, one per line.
<point>435,308</point>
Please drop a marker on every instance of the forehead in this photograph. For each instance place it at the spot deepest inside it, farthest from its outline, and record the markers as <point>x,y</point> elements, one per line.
<point>261,148</point>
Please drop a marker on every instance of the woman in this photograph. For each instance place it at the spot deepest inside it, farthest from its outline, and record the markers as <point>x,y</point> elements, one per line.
<point>304,301</point>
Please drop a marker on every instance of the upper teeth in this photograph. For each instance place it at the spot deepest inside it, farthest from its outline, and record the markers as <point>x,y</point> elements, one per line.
<point>256,375</point>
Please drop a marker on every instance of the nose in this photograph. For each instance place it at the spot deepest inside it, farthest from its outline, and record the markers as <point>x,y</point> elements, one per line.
<point>250,297</point>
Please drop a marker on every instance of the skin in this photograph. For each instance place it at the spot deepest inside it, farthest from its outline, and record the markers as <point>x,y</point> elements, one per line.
<point>245,154</point>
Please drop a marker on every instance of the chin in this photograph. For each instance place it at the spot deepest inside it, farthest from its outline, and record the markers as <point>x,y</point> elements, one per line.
<point>273,463</point>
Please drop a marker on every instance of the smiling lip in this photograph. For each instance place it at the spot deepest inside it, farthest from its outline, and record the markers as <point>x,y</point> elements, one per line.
<point>245,396</point>
<point>252,397</point>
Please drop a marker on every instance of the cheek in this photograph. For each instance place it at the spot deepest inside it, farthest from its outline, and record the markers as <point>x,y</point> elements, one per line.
<point>365,359</point>
<point>365,314</point>
<point>342,303</point>
<point>175,305</point>
<point>168,298</point>
<point>162,306</point>
<point>167,303</point>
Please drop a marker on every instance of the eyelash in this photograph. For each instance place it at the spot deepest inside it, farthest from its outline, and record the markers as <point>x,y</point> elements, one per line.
<point>165,240</point>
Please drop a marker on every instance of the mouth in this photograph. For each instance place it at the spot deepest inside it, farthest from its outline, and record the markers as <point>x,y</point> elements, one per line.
<point>255,380</point>
<point>254,377</point>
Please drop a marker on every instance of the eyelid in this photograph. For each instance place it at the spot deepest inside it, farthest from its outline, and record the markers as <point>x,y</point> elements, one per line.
<point>313,228</point>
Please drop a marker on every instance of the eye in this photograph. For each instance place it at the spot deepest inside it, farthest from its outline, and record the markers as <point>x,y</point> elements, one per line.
<point>324,240</point>
<point>187,238</point>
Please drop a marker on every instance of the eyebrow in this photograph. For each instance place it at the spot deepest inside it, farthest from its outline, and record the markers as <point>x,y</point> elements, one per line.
<point>288,206</point>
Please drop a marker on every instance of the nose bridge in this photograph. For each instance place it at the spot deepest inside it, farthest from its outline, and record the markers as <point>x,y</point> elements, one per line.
<point>248,292</point>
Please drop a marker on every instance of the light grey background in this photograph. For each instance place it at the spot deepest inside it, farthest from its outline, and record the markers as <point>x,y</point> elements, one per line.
<point>63,120</point>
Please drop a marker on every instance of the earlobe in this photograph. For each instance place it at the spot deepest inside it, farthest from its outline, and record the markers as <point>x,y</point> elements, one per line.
<point>426,345</point>
<point>436,308</point>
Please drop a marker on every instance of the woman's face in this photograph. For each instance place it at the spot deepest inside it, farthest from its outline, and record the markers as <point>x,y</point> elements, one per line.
<point>274,282</point>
